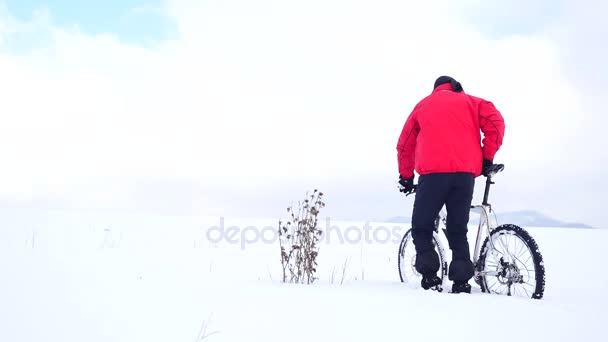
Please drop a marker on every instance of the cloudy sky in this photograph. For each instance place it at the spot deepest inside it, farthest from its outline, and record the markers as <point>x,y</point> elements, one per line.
<point>237,108</point>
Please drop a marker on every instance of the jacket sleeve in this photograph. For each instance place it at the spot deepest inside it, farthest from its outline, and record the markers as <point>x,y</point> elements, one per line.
<point>406,146</point>
<point>492,125</point>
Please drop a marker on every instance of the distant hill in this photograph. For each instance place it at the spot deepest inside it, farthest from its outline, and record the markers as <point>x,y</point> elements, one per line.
<point>531,218</point>
<point>524,218</point>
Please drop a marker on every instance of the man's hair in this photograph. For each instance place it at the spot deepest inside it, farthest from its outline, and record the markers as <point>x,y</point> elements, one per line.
<point>456,86</point>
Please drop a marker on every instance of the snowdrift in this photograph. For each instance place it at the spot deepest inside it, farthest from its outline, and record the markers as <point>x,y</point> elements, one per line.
<point>90,276</point>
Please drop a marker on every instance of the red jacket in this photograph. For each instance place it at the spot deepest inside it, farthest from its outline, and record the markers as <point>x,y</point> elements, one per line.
<point>442,134</point>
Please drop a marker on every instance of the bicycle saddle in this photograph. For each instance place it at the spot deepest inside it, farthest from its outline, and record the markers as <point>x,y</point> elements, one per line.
<point>495,168</point>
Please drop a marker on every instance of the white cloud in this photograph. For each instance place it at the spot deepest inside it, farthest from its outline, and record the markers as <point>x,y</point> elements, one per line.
<point>272,95</point>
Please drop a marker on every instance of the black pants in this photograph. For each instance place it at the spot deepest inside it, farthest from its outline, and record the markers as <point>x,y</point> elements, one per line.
<point>455,191</point>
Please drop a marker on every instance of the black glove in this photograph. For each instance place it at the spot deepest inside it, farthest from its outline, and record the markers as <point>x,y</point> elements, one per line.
<point>487,164</point>
<point>406,183</point>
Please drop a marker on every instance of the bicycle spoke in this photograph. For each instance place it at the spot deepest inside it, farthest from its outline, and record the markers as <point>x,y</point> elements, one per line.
<point>501,253</point>
<point>490,273</point>
<point>491,288</point>
<point>501,285</point>
<point>522,249</point>
<point>503,245</point>
<point>527,283</point>
<point>526,291</point>
<point>498,288</point>
<point>529,257</point>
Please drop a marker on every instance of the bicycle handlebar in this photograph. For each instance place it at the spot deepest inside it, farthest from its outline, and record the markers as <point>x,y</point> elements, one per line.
<point>492,171</point>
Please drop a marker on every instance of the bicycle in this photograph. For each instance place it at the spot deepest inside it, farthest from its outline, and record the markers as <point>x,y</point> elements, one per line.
<point>498,261</point>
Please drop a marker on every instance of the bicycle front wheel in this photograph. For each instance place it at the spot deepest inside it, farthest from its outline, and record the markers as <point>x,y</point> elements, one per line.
<point>511,263</point>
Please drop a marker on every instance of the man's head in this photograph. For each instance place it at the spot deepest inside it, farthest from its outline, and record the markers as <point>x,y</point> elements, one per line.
<point>456,86</point>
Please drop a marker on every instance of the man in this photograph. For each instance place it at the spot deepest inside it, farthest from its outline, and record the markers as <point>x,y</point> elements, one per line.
<point>441,140</point>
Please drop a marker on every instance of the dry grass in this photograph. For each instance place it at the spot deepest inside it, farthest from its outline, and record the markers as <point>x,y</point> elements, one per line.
<point>299,239</point>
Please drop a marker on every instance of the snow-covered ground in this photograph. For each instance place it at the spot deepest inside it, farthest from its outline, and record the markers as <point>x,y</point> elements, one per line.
<point>93,276</point>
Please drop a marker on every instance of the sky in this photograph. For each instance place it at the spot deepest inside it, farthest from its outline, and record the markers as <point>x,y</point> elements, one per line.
<point>238,108</point>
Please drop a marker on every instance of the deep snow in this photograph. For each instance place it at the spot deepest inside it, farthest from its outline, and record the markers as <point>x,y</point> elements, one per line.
<point>93,276</point>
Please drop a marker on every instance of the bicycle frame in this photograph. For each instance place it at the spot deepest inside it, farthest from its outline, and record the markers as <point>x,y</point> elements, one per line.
<point>485,212</point>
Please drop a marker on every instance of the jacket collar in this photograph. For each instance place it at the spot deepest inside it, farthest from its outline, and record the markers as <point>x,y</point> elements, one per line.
<point>445,86</point>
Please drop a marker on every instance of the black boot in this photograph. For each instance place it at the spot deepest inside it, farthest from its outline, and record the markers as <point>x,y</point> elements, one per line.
<point>431,282</point>
<point>461,287</point>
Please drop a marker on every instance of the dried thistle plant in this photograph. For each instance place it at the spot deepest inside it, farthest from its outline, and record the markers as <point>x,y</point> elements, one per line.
<point>299,238</point>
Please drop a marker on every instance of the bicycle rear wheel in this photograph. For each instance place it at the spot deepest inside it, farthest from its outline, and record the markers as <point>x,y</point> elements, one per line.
<point>406,259</point>
<point>511,263</point>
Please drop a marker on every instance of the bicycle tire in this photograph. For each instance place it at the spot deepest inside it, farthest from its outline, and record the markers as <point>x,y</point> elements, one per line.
<point>530,244</point>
